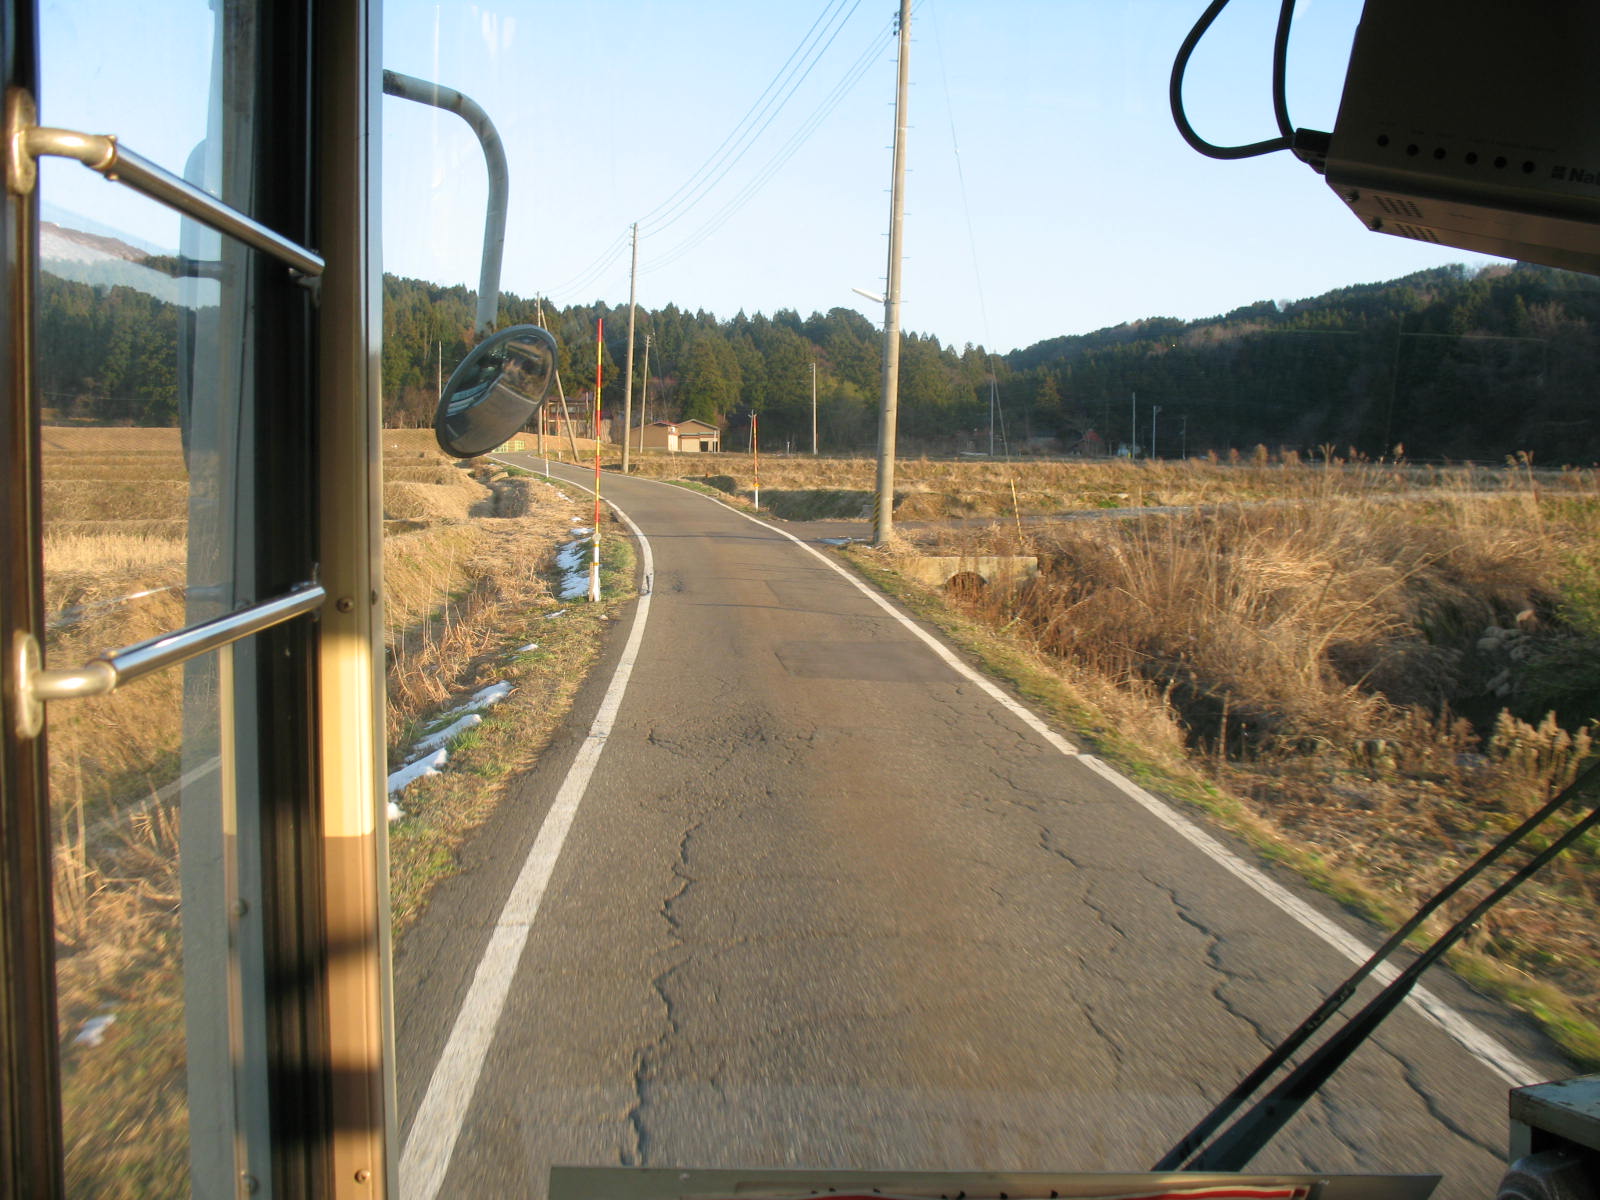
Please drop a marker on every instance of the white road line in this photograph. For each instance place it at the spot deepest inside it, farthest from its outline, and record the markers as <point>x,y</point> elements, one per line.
<point>427,1153</point>
<point>1486,1049</point>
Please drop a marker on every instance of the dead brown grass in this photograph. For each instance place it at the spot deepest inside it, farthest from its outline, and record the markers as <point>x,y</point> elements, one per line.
<point>124,500</point>
<point>932,489</point>
<point>85,439</point>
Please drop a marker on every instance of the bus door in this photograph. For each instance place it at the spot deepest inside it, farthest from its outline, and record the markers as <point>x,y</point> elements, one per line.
<point>193,938</point>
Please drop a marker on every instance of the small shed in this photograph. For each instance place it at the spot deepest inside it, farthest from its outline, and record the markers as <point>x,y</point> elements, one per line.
<point>689,436</point>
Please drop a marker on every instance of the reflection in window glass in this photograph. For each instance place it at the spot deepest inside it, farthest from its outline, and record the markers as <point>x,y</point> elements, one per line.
<point>144,364</point>
<point>116,788</point>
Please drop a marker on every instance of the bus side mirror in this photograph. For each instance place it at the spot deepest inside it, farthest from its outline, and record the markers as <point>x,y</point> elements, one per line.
<point>495,390</point>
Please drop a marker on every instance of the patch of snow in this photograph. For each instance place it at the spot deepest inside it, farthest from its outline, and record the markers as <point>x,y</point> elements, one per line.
<point>93,1031</point>
<point>444,736</point>
<point>483,698</point>
<point>583,532</point>
<point>395,812</point>
<point>560,612</point>
<point>573,563</point>
<point>407,775</point>
<point>528,647</point>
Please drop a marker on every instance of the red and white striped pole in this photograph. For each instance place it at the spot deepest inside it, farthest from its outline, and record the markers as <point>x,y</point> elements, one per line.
<point>755,450</point>
<point>594,541</point>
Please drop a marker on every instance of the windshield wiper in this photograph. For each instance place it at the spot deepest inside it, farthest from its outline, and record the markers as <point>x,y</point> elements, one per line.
<point>1239,1144</point>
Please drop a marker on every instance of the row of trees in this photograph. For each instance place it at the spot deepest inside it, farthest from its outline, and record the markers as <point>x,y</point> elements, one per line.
<point>1445,362</point>
<point>700,367</point>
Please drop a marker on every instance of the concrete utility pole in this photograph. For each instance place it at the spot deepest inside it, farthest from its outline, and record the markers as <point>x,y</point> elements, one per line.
<point>813,408</point>
<point>993,401</point>
<point>627,381</point>
<point>1155,411</point>
<point>644,393</point>
<point>883,530</point>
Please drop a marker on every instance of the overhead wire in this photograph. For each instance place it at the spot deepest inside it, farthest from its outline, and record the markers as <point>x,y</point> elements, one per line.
<point>773,165</point>
<point>652,223</point>
<point>831,101</point>
<point>738,142</point>
<point>972,241</point>
<point>594,271</point>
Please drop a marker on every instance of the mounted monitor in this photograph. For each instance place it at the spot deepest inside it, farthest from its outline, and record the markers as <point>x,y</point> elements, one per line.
<point>1475,124</point>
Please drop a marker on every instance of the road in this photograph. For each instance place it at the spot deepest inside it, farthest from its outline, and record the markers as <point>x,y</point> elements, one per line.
<point>825,902</point>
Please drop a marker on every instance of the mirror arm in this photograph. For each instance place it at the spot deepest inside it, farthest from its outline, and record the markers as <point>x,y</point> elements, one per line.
<point>409,87</point>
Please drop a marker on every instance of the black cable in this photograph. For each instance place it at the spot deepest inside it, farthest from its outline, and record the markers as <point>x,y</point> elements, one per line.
<point>1280,70</point>
<point>1174,1159</point>
<point>1175,88</point>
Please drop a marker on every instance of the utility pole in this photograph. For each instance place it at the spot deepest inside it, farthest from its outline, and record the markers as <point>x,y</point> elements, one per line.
<point>644,393</point>
<point>813,408</point>
<point>561,391</point>
<point>887,415</point>
<point>627,379</point>
<point>993,396</point>
<point>1155,411</point>
<point>1133,425</point>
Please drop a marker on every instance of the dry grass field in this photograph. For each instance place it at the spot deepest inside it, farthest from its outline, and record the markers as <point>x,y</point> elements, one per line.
<point>799,486</point>
<point>466,564</point>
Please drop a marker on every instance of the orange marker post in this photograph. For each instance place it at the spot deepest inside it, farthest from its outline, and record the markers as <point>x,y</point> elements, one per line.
<point>594,541</point>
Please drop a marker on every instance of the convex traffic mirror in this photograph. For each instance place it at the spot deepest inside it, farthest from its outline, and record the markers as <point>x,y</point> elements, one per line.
<point>495,390</point>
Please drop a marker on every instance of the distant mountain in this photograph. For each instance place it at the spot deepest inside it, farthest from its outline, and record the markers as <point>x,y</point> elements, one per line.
<point>106,262</point>
<point>1445,363</point>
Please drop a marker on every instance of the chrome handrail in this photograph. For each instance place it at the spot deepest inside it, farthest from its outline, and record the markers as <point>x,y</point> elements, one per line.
<point>101,152</point>
<point>108,671</point>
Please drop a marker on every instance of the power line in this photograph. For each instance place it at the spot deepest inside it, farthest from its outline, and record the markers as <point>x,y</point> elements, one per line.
<point>739,142</point>
<point>829,103</point>
<point>594,271</point>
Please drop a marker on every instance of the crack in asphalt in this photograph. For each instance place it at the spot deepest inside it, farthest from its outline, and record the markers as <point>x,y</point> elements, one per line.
<point>646,1059</point>
<point>1213,958</point>
<point>1329,1122</point>
<point>1408,1072</point>
<point>1119,1059</point>
<point>1102,912</point>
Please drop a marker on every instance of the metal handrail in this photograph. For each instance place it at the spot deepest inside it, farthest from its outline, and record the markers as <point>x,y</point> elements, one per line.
<point>421,91</point>
<point>115,667</point>
<point>102,153</point>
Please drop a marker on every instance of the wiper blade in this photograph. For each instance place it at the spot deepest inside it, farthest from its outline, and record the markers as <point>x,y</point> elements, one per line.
<point>1232,1150</point>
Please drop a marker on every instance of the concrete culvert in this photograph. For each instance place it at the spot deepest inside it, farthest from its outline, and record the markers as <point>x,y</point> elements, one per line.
<point>966,585</point>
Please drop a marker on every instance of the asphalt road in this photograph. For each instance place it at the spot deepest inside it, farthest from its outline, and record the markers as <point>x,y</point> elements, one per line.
<point>826,903</point>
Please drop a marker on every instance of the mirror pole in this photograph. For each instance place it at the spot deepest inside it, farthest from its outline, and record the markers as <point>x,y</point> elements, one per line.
<point>420,91</point>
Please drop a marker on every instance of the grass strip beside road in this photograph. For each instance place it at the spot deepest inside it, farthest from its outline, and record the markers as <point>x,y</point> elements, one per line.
<point>441,811</point>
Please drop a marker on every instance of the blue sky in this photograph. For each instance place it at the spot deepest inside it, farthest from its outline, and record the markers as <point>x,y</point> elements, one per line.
<point>1048,194</point>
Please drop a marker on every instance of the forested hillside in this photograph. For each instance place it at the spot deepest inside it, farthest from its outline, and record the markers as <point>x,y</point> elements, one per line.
<point>1444,363</point>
